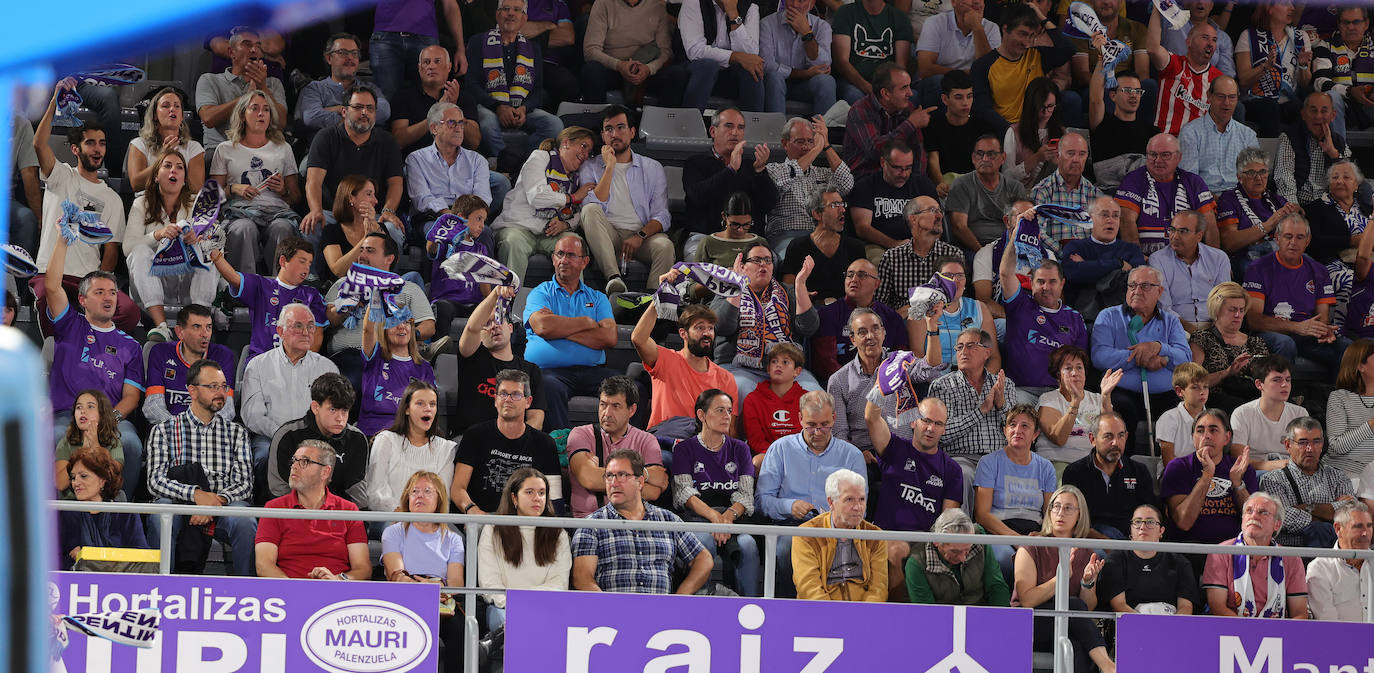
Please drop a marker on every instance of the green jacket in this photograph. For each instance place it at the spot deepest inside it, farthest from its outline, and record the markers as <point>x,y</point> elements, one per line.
<point>979,581</point>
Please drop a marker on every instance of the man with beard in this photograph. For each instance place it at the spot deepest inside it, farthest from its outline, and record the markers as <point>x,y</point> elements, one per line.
<point>1263,586</point>
<point>354,147</point>
<point>484,350</point>
<point>627,218</point>
<point>202,435</point>
<point>831,347</point>
<point>681,375</point>
<point>588,453</point>
<point>309,548</point>
<point>169,364</point>
<point>1183,77</point>
<point>1113,487</point>
<point>493,450</point>
<point>1212,142</point>
<point>321,102</point>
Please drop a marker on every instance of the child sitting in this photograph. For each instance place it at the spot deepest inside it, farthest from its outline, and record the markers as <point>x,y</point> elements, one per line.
<point>772,410</point>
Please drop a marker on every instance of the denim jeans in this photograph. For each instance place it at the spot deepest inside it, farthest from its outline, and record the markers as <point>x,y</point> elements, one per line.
<point>538,124</point>
<point>818,90</point>
<point>393,57</point>
<point>703,75</point>
<point>746,564</point>
<point>236,531</point>
<point>562,383</point>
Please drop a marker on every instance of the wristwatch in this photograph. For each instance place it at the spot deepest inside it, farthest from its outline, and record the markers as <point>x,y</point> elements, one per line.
<point>736,22</point>
<point>642,235</point>
<point>809,37</point>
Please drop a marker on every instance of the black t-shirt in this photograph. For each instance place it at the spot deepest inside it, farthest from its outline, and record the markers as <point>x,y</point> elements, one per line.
<point>412,104</point>
<point>827,279</point>
<point>1113,137</point>
<point>887,202</point>
<point>477,386</point>
<point>377,159</point>
<point>1162,579</point>
<point>494,458</point>
<point>954,143</point>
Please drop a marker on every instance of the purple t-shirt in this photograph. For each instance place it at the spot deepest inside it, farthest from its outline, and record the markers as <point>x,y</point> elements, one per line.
<point>1220,517</point>
<point>265,298</point>
<point>1235,209</point>
<point>1291,293</point>
<point>1033,333</point>
<point>384,383</point>
<point>167,372</point>
<point>1359,312</point>
<point>406,16</point>
<point>915,486</point>
<point>86,357</point>
<point>452,289</point>
<point>1155,213</point>
<point>715,474</point>
<point>834,319</point>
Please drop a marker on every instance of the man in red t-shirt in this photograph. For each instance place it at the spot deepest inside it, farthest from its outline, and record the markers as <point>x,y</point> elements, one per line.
<point>301,548</point>
<point>1183,80</point>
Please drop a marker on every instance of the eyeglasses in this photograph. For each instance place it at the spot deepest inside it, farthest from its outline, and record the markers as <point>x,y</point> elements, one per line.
<point>1049,106</point>
<point>1142,286</point>
<point>1309,443</point>
<point>212,387</point>
<point>451,123</point>
<point>1160,155</point>
<point>1131,90</point>
<point>967,346</point>
<point>619,476</point>
<point>758,260</point>
<point>901,169</point>
<point>426,492</point>
<point>1147,524</point>
<point>301,327</point>
<point>559,254</point>
<point>864,331</point>
<point>1255,173</point>
<point>302,462</point>
<point>362,108</point>
<point>989,154</point>
<point>861,275</point>
<point>355,53</point>
<point>1066,509</point>
<point>837,205</point>
<point>817,429</point>
<point>742,225</point>
<point>929,209</point>
<point>515,396</point>
<point>1227,97</point>
<point>1179,230</point>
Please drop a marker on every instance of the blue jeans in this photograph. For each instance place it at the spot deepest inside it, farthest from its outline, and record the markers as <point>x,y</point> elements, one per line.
<point>1288,345</point>
<point>746,563</point>
<point>539,124</point>
<point>848,91</point>
<point>128,437</point>
<point>704,74</point>
<point>236,531</point>
<point>500,186</point>
<point>496,617</point>
<point>392,56</point>
<point>262,446</point>
<point>778,89</point>
<point>24,228</point>
<point>927,92</point>
<point>1338,106</point>
<point>561,383</point>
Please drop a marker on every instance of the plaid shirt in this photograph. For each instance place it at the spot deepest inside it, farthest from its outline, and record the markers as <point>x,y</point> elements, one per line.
<point>867,131</point>
<point>1323,487</point>
<point>1285,169</point>
<point>1053,190</point>
<point>220,446</point>
<point>901,269</point>
<point>795,186</point>
<point>635,561</point>
<point>969,432</point>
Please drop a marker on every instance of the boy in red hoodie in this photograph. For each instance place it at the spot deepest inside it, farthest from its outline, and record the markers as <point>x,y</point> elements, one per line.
<point>772,411</point>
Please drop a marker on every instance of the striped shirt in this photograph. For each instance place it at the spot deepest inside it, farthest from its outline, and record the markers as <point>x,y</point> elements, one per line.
<point>220,446</point>
<point>1322,487</point>
<point>1182,94</point>
<point>1054,190</point>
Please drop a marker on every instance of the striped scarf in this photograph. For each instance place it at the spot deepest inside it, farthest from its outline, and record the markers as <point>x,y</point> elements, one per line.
<point>763,321</point>
<point>512,90</point>
<point>1275,603</point>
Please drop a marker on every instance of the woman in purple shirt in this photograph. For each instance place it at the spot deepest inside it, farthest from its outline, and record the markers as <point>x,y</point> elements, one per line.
<point>391,358</point>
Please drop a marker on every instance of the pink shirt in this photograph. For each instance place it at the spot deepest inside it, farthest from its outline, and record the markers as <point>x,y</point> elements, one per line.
<point>1217,574</point>
<point>584,502</point>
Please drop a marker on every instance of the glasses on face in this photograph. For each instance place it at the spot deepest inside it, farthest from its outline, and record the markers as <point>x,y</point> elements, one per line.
<point>1255,173</point>
<point>927,421</point>
<point>1182,231</point>
<point>967,346</point>
<point>1146,524</point>
<point>861,275</point>
<point>1351,22</point>
<point>303,462</point>
<point>1142,286</point>
<point>741,225</point>
<point>300,327</point>
<point>1131,90</point>
<point>1226,97</point>
<point>954,275</point>
<point>619,476</point>
<point>837,205</point>
<point>758,260</point>
<point>357,107</point>
<point>615,129</point>
<point>819,429</point>
<point>929,209</point>
<point>451,123</point>
<point>1048,106</point>
<point>1310,443</point>
<point>426,492</point>
<point>515,396</point>
<point>1061,507</point>
<point>212,387</point>
<point>1160,155</point>
<point>355,53</point>
<point>986,154</point>
<point>559,254</point>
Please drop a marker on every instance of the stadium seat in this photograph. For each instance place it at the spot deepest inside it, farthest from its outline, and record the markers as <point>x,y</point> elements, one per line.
<point>765,127</point>
<point>582,410</point>
<point>674,128</point>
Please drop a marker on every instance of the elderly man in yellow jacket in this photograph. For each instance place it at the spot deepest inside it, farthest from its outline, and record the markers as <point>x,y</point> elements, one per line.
<point>841,569</point>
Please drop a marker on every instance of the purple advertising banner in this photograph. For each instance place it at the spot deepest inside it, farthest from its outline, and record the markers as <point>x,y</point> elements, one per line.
<point>1153,643</point>
<point>231,624</point>
<point>579,632</point>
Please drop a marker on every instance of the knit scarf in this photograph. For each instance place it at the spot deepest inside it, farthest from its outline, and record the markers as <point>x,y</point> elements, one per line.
<point>177,256</point>
<point>721,281</point>
<point>1275,604</point>
<point>18,261</point>
<point>763,321</point>
<point>478,268</point>
<point>563,182</point>
<point>373,288</point>
<point>1355,219</point>
<point>1151,204</point>
<point>75,223</point>
<point>509,90</point>
<point>893,377</point>
<point>940,289</point>
<point>1271,82</point>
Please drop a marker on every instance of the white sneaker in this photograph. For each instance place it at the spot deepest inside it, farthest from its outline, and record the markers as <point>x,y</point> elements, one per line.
<point>160,333</point>
<point>435,348</point>
<point>615,285</point>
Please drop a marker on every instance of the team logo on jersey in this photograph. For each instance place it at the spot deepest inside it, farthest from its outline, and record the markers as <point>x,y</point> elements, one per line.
<point>1040,319</point>
<point>935,481</point>
<point>169,374</point>
<point>699,467</point>
<point>112,350</point>
<point>730,467</point>
<point>1129,483</point>
<point>1311,287</point>
<point>910,465</point>
<point>90,338</point>
<point>273,300</point>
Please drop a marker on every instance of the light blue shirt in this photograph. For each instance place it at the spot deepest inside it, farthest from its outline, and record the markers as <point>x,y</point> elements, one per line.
<point>647,184</point>
<point>433,184</point>
<point>952,47</point>
<point>1111,346</point>
<point>1211,153</point>
<point>323,93</point>
<point>782,48</point>
<point>1186,285</point>
<point>792,472</point>
<point>564,352</point>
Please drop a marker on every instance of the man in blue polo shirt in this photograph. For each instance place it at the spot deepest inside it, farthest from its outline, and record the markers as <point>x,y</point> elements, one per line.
<point>567,325</point>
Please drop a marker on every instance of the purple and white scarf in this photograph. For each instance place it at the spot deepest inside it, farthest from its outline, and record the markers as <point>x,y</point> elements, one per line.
<point>763,321</point>
<point>176,256</point>
<point>85,225</point>
<point>17,261</point>
<point>111,74</point>
<point>721,281</point>
<point>1275,603</point>
<point>1355,219</point>
<point>1150,205</point>
<point>448,229</point>
<point>564,182</point>
<point>513,89</point>
<point>893,377</point>
<point>68,104</point>
<point>1071,215</point>
<point>940,289</point>
<point>478,268</point>
<point>374,288</point>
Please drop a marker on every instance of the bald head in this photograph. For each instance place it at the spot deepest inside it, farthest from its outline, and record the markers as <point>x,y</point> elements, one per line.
<point>925,219</point>
<point>1073,156</point>
<point>434,66</point>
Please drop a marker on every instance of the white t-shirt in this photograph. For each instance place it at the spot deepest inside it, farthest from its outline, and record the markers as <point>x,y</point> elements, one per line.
<point>242,165</point>
<point>1365,489</point>
<point>1077,445</point>
<point>1176,425</point>
<point>622,213</point>
<point>66,184</point>
<point>189,149</point>
<point>1263,435</point>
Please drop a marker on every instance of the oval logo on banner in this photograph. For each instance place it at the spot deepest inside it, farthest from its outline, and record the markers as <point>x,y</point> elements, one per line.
<point>366,636</point>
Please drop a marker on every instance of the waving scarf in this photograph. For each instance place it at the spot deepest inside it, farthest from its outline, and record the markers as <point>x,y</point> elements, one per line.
<point>1082,23</point>
<point>68,103</point>
<point>939,289</point>
<point>18,261</point>
<point>893,377</point>
<point>176,256</point>
<point>448,229</point>
<point>719,280</point>
<point>1071,215</point>
<point>1275,603</point>
<point>76,223</point>
<point>477,268</point>
<point>763,321</point>
<point>1273,82</point>
<point>511,90</point>
<point>111,74</point>
<point>375,288</point>
<point>1175,15</point>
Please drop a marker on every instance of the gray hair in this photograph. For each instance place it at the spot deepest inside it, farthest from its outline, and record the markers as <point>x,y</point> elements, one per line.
<point>716,118</point>
<point>514,376</point>
<point>787,128</point>
<point>1159,277</point>
<point>816,200</point>
<point>953,521</point>
<point>1278,228</point>
<point>983,337</point>
<point>1264,495</point>
<point>282,320</point>
<point>912,205</point>
<point>861,312</point>
<point>1251,155</point>
<point>327,454</point>
<point>841,478</point>
<point>1359,175</point>
<point>1301,423</point>
<point>1198,220</point>
<point>84,288</point>
<point>1346,509</point>
<point>236,36</point>
<point>1011,210</point>
<point>437,110</point>
<point>816,401</point>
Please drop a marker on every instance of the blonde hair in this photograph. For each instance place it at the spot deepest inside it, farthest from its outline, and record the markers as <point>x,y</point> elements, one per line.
<point>1189,373</point>
<point>568,135</point>
<point>149,131</point>
<point>412,348</point>
<point>440,494</point>
<point>237,119</point>
<point>1080,526</point>
<point>1223,292</point>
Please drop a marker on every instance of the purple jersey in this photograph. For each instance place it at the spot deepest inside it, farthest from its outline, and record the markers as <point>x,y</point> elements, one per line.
<point>85,357</point>
<point>1033,333</point>
<point>167,373</point>
<point>452,289</point>
<point>915,486</point>
<point>1238,211</point>
<point>715,474</point>
<point>265,298</point>
<point>1289,292</point>
<point>1156,207</point>
<point>406,16</point>
<point>1359,313</point>
<point>1219,518</point>
<point>384,383</point>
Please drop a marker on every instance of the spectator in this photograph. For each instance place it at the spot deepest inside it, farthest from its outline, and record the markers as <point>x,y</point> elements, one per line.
<point>326,420</point>
<point>200,457</point>
<point>626,217</point>
<point>1032,142</point>
<point>1119,135</point>
<point>354,147</point>
<point>955,573</point>
<point>794,44</point>
<point>1001,76</point>
<point>437,174</point>
<point>1259,424</point>
<point>1070,413</point>
<point>510,84</point>
<point>833,345</point>
<point>590,445</point>
<point>680,374</point>
<point>218,92</point>
<point>1145,342</point>
<point>550,23</point>
<point>766,314</point>
<point>1212,143</point>
<point>882,116</point>
<point>310,548</point>
<point>1147,581</point>
<point>94,477</point>
<point>322,103</point>
<point>341,241</point>
<point>1132,34</point>
<point>626,43</point>
<point>391,360</point>
<point>1348,416</point>
<point>1249,214</point>
<point>1341,67</point>
<point>1200,13</point>
<point>1066,186</point>
<point>709,178</point>
<point>1030,253</point>
<point>542,208</point>
<point>257,171</point>
<point>491,451</point>
<point>772,410</point>
<point>915,259</point>
<point>1012,486</point>
<point>1037,576</point>
<point>977,401</point>
<point>453,297</point>
<point>1203,504</point>
<point>524,557</point>
<point>92,427</point>
<point>1174,430</point>
<point>800,176</point>
<point>958,314</point>
<point>977,200</point>
<point>169,363</point>
<point>404,30</point>
<point>412,444</point>
<point>438,83</point>
<point>850,386</point>
<point>713,473</point>
<point>1097,267</point>
<point>1338,219</point>
<point>827,247</point>
<point>634,561</point>
<point>267,298</point>
<point>841,569</point>
<point>878,201</point>
<point>950,137</point>
<point>869,35</point>
<point>1184,75</point>
<point>378,251</point>
<point>484,349</point>
<point>164,128</point>
<point>1145,191</point>
<point>1334,584</point>
<point>1190,269</point>
<point>1113,486</point>
<point>957,37</point>
<point>428,553</point>
<point>1032,311</point>
<point>27,200</point>
<point>1291,298</point>
<point>718,39</point>
<point>568,324</point>
<point>1267,587</point>
<point>1225,351</point>
<point>1308,490</point>
<point>724,246</point>
<point>1273,63</point>
<point>1306,150</point>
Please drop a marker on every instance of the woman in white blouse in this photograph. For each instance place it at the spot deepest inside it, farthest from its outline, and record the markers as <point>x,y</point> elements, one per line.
<point>164,128</point>
<point>411,445</point>
<point>1068,413</point>
<point>523,557</point>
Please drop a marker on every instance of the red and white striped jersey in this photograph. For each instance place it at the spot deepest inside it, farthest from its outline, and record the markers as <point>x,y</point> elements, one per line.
<point>1182,94</point>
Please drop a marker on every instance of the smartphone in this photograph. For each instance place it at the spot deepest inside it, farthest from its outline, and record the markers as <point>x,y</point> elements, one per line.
<point>262,182</point>
<point>1053,144</point>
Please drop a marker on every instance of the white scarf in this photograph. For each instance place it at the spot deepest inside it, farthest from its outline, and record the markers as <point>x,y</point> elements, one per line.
<point>1275,604</point>
<point>1151,205</point>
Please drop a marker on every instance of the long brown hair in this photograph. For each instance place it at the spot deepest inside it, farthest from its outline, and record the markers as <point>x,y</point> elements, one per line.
<point>154,210</point>
<point>106,428</point>
<point>402,425</point>
<point>508,538</point>
<point>1349,376</point>
<point>349,186</point>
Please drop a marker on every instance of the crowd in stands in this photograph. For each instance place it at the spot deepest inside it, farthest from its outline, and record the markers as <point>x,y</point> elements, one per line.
<point>1147,280</point>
